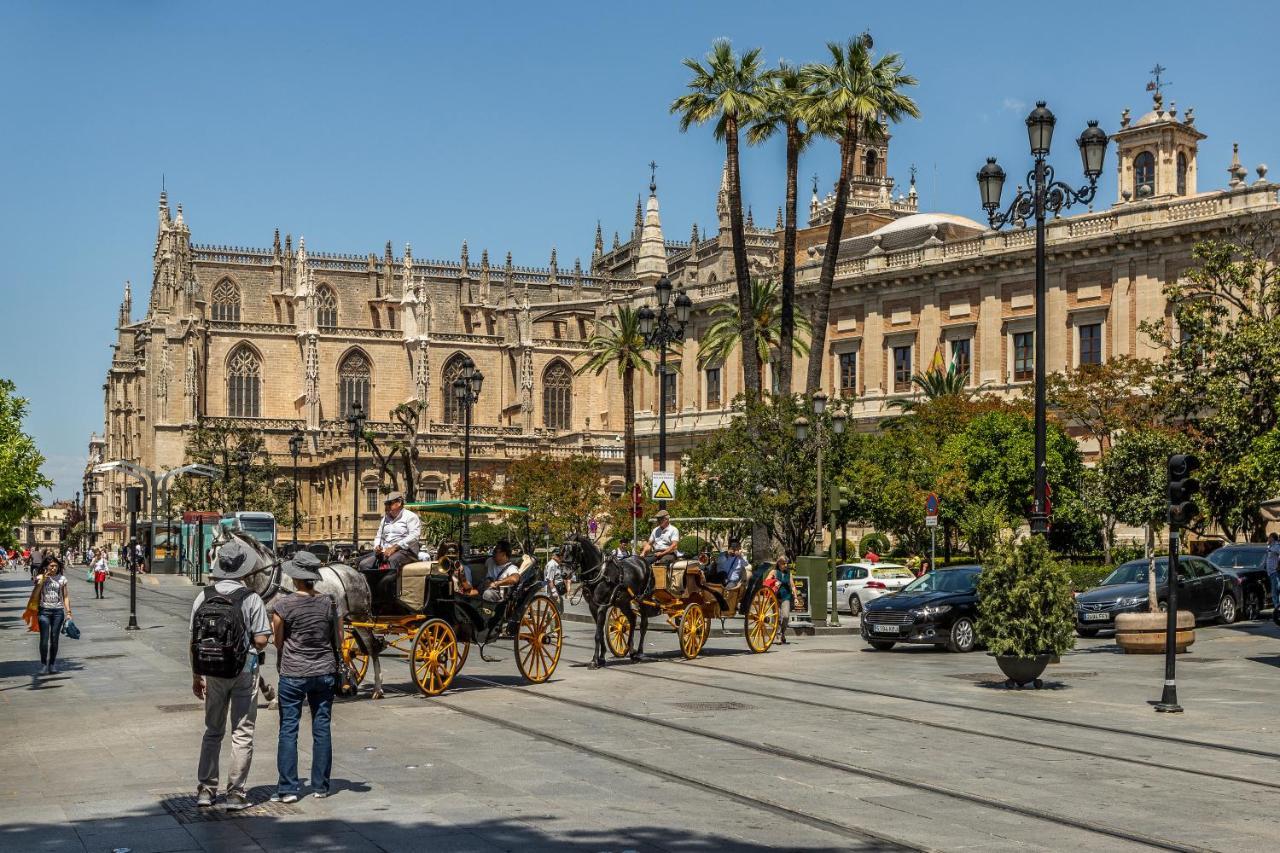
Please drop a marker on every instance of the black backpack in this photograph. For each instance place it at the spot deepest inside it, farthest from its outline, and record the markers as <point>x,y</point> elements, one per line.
<point>219,636</point>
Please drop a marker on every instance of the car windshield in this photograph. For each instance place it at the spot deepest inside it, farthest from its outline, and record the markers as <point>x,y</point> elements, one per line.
<point>1136,572</point>
<point>944,581</point>
<point>1237,558</point>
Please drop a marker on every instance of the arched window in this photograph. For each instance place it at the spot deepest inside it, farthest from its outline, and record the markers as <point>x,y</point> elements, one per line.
<point>225,302</point>
<point>244,383</point>
<point>353,383</point>
<point>326,308</point>
<point>452,409</point>
<point>1182,173</point>
<point>1144,175</point>
<point>557,395</point>
<point>871,161</point>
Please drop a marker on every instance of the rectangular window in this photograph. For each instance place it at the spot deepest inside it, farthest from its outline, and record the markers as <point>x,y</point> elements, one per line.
<point>1024,356</point>
<point>669,386</point>
<point>902,369</point>
<point>370,500</point>
<point>962,357</point>
<point>713,387</point>
<point>430,495</point>
<point>1091,343</point>
<point>848,366</point>
<point>391,318</point>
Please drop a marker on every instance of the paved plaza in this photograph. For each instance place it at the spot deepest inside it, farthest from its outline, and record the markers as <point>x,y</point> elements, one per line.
<point>818,745</point>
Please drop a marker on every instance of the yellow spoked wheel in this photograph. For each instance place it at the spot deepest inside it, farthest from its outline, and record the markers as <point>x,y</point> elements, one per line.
<point>694,630</point>
<point>355,657</point>
<point>434,657</point>
<point>538,639</point>
<point>617,632</point>
<point>762,620</point>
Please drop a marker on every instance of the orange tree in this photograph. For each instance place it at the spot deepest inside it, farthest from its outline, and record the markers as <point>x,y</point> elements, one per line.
<point>562,492</point>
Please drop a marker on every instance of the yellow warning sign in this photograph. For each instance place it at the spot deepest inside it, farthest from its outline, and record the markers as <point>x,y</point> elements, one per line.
<point>664,486</point>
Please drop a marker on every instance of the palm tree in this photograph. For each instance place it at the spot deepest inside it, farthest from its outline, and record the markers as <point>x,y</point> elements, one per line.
<point>618,344</point>
<point>726,90</point>
<point>782,110</point>
<point>935,383</point>
<point>849,98</point>
<point>765,319</point>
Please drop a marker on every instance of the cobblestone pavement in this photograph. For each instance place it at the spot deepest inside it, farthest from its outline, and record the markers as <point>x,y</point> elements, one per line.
<point>819,745</point>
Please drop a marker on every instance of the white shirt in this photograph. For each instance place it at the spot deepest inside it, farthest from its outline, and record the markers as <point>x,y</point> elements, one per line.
<point>505,570</point>
<point>403,531</point>
<point>663,538</point>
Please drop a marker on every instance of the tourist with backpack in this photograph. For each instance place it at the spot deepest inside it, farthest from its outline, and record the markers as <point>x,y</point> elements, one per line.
<point>229,627</point>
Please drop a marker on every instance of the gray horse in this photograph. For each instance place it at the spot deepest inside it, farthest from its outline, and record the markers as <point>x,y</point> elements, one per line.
<point>345,585</point>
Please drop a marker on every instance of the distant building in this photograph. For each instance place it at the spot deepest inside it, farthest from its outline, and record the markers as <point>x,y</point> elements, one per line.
<point>45,528</point>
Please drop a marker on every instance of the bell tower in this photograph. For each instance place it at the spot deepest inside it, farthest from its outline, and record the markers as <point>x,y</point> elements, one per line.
<point>1156,154</point>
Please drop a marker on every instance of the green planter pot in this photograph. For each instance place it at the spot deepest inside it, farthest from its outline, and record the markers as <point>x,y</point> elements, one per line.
<point>1022,671</point>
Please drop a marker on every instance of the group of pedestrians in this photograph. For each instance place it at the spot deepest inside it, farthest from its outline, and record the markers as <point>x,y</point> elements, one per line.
<point>230,628</point>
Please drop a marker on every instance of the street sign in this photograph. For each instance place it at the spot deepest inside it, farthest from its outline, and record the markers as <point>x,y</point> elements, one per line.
<point>931,506</point>
<point>930,521</point>
<point>664,486</point>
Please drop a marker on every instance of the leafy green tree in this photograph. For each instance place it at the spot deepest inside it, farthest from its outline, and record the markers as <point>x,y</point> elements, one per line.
<point>726,90</point>
<point>724,333</point>
<point>618,345</point>
<point>846,99</point>
<point>257,483</point>
<point>1106,398</point>
<point>21,478</point>
<point>398,455</point>
<point>564,493</point>
<point>1027,608</point>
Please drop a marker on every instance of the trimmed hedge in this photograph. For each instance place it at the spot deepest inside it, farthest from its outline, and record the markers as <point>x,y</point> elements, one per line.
<point>1085,575</point>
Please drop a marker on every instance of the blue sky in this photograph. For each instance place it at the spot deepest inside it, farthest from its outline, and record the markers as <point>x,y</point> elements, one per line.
<point>514,126</point>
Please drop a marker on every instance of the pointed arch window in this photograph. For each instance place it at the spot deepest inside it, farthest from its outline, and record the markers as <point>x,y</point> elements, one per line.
<point>244,383</point>
<point>224,303</point>
<point>326,308</point>
<point>452,408</point>
<point>353,382</point>
<point>1182,173</point>
<point>1144,175</point>
<point>870,163</point>
<point>557,395</point>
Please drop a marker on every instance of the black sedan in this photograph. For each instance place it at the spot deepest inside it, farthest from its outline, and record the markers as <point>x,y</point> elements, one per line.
<point>1203,589</point>
<point>1246,563</point>
<point>938,608</point>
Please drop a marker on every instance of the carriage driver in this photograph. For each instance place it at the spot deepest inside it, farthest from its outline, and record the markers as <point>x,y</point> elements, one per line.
<point>663,541</point>
<point>395,546</point>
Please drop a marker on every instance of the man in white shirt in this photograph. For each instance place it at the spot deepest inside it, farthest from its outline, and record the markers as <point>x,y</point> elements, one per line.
<point>663,541</point>
<point>502,575</point>
<point>394,547</point>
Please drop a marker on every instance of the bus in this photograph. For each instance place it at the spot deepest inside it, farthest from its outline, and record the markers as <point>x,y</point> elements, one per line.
<point>259,525</point>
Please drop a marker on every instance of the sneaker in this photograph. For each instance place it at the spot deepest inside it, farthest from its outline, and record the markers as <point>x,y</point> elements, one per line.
<point>319,795</point>
<point>234,801</point>
<point>284,798</point>
<point>204,798</point>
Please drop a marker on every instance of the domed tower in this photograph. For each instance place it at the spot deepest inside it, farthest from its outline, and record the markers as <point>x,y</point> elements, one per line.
<point>1156,153</point>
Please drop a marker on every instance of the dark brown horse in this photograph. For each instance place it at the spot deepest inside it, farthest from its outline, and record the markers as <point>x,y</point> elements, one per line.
<point>609,582</point>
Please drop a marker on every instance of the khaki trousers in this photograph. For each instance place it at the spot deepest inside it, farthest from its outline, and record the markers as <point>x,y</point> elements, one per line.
<point>238,697</point>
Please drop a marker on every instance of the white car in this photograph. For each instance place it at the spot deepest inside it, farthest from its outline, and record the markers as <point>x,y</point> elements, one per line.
<point>859,583</point>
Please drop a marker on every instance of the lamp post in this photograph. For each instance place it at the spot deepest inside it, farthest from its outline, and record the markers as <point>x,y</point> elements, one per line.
<point>356,420</point>
<point>801,427</point>
<point>466,390</point>
<point>295,450</point>
<point>660,329</point>
<point>244,460</point>
<point>1043,195</point>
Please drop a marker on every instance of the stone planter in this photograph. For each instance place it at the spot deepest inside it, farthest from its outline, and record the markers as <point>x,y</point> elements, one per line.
<point>1145,633</point>
<point>1020,671</point>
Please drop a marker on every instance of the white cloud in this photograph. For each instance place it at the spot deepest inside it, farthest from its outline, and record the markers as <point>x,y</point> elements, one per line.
<point>1013,105</point>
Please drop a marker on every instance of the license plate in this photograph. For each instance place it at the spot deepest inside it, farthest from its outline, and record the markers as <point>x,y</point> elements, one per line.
<point>1097,617</point>
<point>885,629</point>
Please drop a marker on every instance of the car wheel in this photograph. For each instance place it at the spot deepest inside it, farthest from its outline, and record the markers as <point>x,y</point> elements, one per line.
<point>855,606</point>
<point>881,645</point>
<point>1087,632</point>
<point>962,637</point>
<point>1227,612</point>
<point>1252,606</point>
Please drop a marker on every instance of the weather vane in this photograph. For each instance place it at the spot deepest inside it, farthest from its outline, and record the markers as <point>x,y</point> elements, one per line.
<point>1156,84</point>
<point>653,176</point>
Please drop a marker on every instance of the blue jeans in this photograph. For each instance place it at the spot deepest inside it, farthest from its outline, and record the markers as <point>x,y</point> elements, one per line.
<point>51,619</point>
<point>1275,589</point>
<point>316,691</point>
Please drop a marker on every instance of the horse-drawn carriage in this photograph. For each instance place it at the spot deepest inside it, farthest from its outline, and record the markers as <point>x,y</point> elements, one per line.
<point>438,616</point>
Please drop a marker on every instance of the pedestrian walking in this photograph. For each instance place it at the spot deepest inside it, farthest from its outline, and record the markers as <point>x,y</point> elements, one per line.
<point>101,571</point>
<point>307,633</point>
<point>1272,562</point>
<point>38,558</point>
<point>229,627</point>
<point>784,587</point>
<point>556,578</point>
<point>52,606</point>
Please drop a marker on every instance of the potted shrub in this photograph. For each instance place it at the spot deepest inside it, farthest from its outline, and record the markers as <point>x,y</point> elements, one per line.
<point>1026,613</point>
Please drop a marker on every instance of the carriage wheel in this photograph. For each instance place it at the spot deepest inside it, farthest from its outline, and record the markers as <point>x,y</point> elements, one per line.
<point>694,630</point>
<point>617,632</point>
<point>538,639</point>
<point>434,658</point>
<point>355,657</point>
<point>762,620</point>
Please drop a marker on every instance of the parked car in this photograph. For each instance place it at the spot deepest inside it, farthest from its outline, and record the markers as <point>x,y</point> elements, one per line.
<point>1203,588</point>
<point>939,608</point>
<point>858,583</point>
<point>1246,563</point>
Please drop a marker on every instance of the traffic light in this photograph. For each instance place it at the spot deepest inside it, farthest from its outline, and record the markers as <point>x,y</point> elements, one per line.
<point>1181,487</point>
<point>839,497</point>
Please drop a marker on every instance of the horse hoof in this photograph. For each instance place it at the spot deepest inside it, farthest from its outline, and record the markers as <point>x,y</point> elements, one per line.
<point>595,664</point>
<point>637,656</point>
<point>273,705</point>
<point>377,694</point>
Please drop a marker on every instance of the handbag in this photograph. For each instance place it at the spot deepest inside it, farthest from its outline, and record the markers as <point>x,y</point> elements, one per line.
<point>344,677</point>
<point>69,628</point>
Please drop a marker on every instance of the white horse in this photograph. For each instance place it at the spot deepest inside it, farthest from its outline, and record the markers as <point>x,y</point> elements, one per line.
<point>345,585</point>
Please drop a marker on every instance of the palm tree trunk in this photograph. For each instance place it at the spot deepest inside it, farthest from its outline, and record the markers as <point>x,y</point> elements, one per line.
<point>822,310</point>
<point>629,423</point>
<point>741,273</point>
<point>787,335</point>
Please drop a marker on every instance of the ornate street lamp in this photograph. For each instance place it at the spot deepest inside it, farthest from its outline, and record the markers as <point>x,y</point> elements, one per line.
<point>295,450</point>
<point>660,329</point>
<point>356,421</point>
<point>1044,195</point>
<point>244,461</point>
<point>466,390</point>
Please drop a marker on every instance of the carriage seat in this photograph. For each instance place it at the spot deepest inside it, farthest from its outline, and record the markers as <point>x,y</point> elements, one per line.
<point>411,584</point>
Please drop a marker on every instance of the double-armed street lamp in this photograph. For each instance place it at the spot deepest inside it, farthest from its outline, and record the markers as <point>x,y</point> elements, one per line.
<point>295,450</point>
<point>466,390</point>
<point>1043,195</point>
<point>801,427</point>
<point>356,421</point>
<point>661,329</point>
